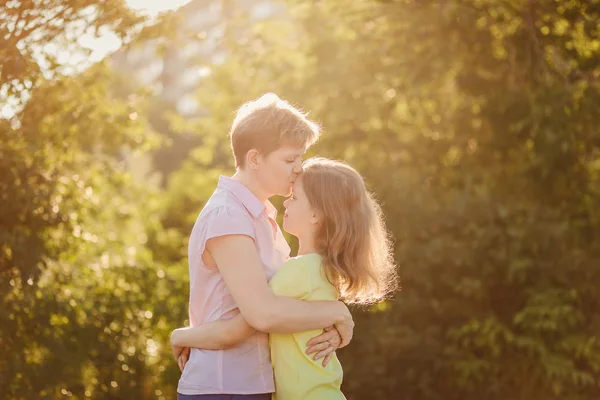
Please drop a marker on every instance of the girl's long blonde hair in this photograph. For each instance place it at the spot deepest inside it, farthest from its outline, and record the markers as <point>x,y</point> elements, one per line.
<point>351,237</point>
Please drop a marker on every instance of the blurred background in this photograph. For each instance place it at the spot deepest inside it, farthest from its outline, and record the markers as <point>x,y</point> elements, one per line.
<point>475,122</point>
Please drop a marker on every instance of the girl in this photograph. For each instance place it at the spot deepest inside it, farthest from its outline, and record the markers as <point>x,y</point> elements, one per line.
<point>344,253</point>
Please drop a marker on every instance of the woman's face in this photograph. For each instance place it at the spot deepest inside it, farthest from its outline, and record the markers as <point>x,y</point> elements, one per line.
<point>279,169</point>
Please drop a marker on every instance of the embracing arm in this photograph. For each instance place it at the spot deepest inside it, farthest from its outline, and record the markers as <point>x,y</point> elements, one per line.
<point>241,268</point>
<point>217,335</point>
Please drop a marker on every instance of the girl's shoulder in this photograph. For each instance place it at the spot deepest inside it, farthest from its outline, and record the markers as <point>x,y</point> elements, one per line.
<point>305,264</point>
<point>307,259</point>
<point>294,278</point>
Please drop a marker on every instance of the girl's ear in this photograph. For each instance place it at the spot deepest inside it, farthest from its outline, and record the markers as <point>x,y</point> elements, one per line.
<point>315,219</point>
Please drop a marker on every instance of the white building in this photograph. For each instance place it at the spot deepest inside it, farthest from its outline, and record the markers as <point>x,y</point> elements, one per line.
<point>174,70</point>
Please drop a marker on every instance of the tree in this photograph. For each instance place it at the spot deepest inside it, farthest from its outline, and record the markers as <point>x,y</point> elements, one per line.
<point>32,32</point>
<point>474,122</point>
<point>81,294</point>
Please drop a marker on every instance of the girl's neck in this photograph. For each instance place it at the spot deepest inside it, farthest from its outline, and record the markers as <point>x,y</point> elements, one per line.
<point>306,245</point>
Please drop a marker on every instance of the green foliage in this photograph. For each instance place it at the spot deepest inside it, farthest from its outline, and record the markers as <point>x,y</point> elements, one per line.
<point>78,287</point>
<point>32,32</point>
<point>474,122</point>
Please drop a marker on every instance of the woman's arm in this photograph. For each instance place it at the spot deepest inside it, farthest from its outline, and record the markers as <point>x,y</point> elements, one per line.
<point>239,263</point>
<point>217,335</point>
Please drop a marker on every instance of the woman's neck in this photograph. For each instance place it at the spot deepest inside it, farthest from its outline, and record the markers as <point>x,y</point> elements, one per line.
<point>246,179</point>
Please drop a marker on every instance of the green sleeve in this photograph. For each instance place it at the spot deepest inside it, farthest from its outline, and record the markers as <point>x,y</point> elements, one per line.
<point>292,280</point>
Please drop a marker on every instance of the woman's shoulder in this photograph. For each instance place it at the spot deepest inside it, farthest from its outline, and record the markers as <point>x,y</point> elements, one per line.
<point>221,203</point>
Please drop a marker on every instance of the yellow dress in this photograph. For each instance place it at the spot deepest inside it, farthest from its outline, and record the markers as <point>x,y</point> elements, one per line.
<point>297,376</point>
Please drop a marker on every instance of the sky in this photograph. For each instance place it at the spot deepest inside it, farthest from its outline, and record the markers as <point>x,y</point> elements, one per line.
<point>153,7</point>
<point>109,43</point>
<point>102,46</point>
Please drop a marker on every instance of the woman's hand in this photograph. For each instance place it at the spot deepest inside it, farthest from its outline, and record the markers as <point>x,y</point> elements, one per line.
<point>345,327</point>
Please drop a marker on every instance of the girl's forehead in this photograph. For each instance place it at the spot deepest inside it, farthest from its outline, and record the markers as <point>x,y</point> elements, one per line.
<point>297,186</point>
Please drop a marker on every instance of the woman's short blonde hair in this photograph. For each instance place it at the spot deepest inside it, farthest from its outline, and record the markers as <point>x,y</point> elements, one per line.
<point>266,124</point>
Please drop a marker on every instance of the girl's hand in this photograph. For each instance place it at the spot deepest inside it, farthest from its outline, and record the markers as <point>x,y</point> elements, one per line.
<point>324,345</point>
<point>177,349</point>
<point>183,358</point>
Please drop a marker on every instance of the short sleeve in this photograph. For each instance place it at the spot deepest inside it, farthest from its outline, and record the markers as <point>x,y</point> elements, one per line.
<point>225,220</point>
<point>292,280</point>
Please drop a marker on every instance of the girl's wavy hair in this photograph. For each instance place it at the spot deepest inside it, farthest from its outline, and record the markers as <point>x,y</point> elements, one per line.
<point>351,237</point>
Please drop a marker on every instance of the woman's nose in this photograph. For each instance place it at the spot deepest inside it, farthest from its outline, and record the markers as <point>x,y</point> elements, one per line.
<point>298,167</point>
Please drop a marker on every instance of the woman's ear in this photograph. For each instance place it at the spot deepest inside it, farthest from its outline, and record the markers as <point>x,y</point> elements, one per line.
<point>252,157</point>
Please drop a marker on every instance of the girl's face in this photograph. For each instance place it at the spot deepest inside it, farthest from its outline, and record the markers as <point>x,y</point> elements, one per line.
<point>299,219</point>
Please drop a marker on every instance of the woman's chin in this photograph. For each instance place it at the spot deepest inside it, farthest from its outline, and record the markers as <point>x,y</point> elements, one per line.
<point>287,192</point>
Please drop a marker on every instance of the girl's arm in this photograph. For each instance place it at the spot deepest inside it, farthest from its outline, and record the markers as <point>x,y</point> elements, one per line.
<point>217,335</point>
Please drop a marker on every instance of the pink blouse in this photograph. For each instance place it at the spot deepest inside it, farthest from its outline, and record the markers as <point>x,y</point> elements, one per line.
<point>245,368</point>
